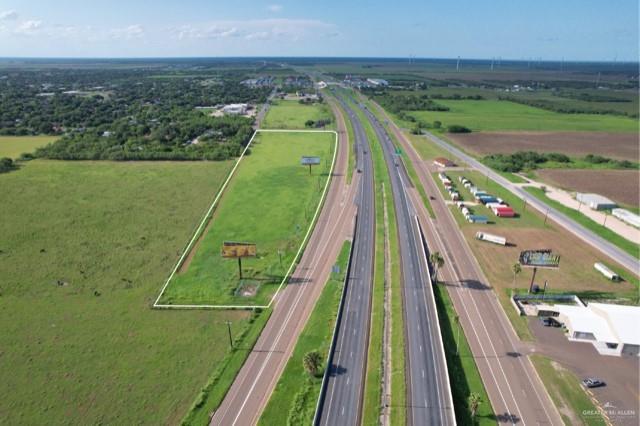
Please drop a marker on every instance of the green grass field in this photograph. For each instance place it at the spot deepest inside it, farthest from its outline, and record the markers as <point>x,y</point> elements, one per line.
<point>270,201</point>
<point>491,115</point>
<point>294,399</point>
<point>565,390</point>
<point>13,146</point>
<point>285,114</point>
<point>84,249</point>
<point>463,371</point>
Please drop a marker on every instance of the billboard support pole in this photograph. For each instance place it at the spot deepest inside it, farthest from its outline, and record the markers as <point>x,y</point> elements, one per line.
<point>533,277</point>
<point>240,266</point>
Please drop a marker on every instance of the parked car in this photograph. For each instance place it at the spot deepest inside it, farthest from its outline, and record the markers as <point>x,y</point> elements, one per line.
<point>550,322</point>
<point>592,382</point>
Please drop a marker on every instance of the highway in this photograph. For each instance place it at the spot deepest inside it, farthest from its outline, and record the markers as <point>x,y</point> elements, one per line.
<point>609,249</point>
<point>429,400</point>
<point>516,393</point>
<point>342,400</point>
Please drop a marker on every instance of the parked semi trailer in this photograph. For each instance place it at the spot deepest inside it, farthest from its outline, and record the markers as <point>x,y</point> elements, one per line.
<point>483,236</point>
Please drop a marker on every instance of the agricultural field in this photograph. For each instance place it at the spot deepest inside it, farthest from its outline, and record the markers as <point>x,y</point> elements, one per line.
<point>492,115</point>
<point>13,146</point>
<point>622,186</point>
<point>272,178</point>
<point>84,249</point>
<point>284,114</point>
<point>621,146</point>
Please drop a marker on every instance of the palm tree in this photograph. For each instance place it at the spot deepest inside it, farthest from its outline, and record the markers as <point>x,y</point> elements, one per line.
<point>437,261</point>
<point>474,402</point>
<point>516,268</point>
<point>312,362</point>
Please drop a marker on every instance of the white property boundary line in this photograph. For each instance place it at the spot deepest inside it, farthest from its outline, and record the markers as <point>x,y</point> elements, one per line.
<point>207,215</point>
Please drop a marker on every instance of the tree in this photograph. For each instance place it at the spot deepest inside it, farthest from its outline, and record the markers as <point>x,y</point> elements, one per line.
<point>516,268</point>
<point>437,261</point>
<point>437,124</point>
<point>312,362</point>
<point>474,402</point>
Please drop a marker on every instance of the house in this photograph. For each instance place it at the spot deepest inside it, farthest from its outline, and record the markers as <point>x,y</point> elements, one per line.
<point>595,201</point>
<point>443,162</point>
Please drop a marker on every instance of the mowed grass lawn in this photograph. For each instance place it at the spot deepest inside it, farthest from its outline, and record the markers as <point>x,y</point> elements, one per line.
<point>84,250</point>
<point>504,115</point>
<point>270,201</point>
<point>284,114</point>
<point>13,146</point>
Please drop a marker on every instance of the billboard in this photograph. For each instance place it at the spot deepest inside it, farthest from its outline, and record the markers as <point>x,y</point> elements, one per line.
<point>310,161</point>
<point>236,249</point>
<point>539,259</point>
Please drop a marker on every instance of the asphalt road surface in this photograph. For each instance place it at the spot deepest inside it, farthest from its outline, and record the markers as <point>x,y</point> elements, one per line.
<point>429,399</point>
<point>252,387</point>
<point>517,395</point>
<point>622,257</point>
<point>342,400</point>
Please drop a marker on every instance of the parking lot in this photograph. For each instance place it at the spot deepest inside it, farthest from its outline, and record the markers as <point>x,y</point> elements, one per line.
<point>621,374</point>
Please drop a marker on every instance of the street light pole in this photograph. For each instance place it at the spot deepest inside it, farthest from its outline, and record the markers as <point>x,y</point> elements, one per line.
<point>229,329</point>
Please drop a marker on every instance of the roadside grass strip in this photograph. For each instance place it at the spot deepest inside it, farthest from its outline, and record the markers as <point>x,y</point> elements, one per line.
<point>296,394</point>
<point>268,181</point>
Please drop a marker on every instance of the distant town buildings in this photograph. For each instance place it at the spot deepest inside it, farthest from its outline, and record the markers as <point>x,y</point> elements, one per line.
<point>266,81</point>
<point>377,82</point>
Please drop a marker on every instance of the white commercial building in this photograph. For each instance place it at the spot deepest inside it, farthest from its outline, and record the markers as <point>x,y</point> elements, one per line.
<point>627,216</point>
<point>235,109</point>
<point>611,329</point>
<point>595,201</point>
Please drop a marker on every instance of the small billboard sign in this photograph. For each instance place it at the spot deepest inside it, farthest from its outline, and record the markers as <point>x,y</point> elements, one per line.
<point>539,259</point>
<point>236,250</point>
<point>310,161</point>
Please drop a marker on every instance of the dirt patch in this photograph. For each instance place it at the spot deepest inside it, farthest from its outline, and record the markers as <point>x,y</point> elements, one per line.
<point>576,271</point>
<point>623,146</point>
<point>622,186</point>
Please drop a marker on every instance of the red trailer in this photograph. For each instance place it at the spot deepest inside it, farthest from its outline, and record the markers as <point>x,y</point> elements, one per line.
<point>504,212</point>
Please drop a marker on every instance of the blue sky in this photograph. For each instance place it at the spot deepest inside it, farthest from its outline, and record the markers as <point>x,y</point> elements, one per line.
<point>515,29</point>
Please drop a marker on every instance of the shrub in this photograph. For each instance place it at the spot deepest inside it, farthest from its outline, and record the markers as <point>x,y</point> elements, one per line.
<point>456,128</point>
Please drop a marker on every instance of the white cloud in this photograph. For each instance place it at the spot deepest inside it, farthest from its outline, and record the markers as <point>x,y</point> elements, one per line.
<point>274,8</point>
<point>8,15</point>
<point>30,27</point>
<point>127,33</point>
<point>257,29</point>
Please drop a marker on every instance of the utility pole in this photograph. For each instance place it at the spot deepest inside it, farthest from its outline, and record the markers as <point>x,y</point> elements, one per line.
<point>229,329</point>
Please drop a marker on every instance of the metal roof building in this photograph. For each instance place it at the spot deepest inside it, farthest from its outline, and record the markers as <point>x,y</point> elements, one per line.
<point>595,201</point>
